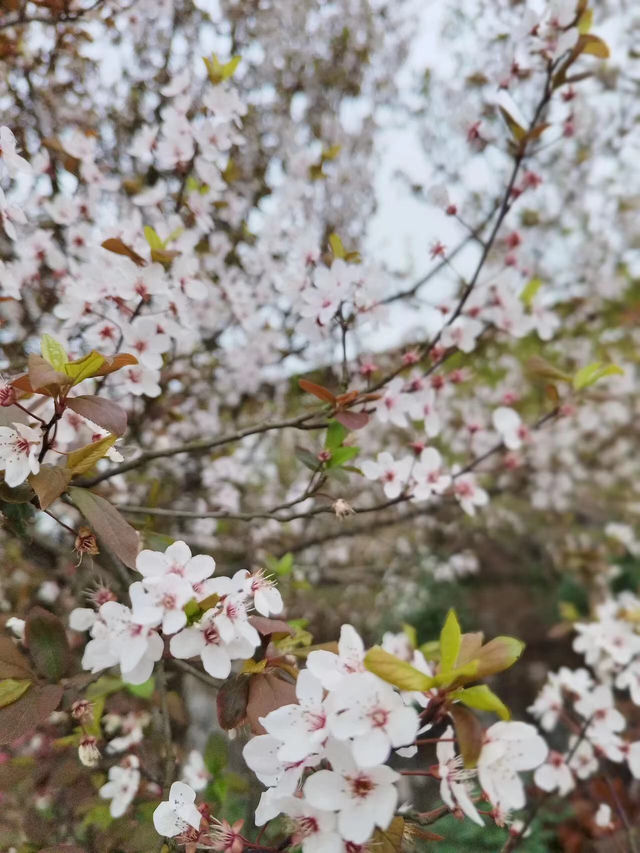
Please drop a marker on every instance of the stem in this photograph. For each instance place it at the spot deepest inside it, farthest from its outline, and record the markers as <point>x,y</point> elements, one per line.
<point>196,673</point>
<point>61,523</point>
<point>31,414</point>
<point>623,814</point>
<point>169,759</point>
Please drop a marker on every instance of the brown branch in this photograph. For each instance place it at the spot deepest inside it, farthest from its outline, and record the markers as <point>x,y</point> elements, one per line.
<point>200,445</point>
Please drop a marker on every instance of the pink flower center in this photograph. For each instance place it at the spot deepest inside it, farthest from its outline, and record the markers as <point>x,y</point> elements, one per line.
<point>22,445</point>
<point>361,786</point>
<point>168,601</point>
<point>307,826</point>
<point>315,722</point>
<point>379,718</point>
<point>211,636</point>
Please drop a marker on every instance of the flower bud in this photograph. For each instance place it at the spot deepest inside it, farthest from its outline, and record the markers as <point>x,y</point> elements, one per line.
<point>88,751</point>
<point>82,711</point>
<point>7,394</point>
<point>342,509</point>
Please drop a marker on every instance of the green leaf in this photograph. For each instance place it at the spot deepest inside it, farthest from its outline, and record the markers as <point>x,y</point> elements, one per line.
<point>395,671</point>
<point>331,152</point>
<point>284,566</point>
<point>341,455</point>
<point>593,45</point>
<point>82,460</point>
<point>585,21</point>
<point>152,238</point>
<point>450,640</point>
<point>336,246</point>
<point>11,689</point>
<point>468,672</point>
<point>217,71</point>
<point>98,816</point>
<point>497,655</point>
<point>85,367</point>
<point>483,698</point>
<point>517,131</point>
<point>592,373</point>
<point>46,639</point>
<point>530,289</point>
<point>216,753</point>
<point>53,352</point>
<point>144,690</point>
<point>192,611</point>
<point>104,686</point>
<point>336,434</point>
<point>307,458</point>
<point>411,634</point>
<point>229,68</point>
<point>93,727</point>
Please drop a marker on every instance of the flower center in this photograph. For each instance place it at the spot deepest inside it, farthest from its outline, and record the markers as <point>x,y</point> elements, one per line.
<point>361,786</point>
<point>315,722</point>
<point>379,718</point>
<point>211,636</point>
<point>307,826</point>
<point>22,445</point>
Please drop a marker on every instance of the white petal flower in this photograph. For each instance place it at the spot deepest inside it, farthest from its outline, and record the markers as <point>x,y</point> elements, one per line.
<point>175,816</point>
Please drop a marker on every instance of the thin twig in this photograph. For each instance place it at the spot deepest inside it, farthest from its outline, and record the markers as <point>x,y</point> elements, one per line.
<point>169,758</point>
<point>200,445</point>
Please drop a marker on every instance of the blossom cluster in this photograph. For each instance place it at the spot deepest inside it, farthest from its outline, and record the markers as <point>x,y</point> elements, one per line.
<point>128,636</point>
<point>585,700</point>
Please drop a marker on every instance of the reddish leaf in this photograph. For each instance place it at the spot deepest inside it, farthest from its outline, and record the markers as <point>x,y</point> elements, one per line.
<point>108,524</point>
<point>116,362</point>
<point>267,691</point>
<point>352,420</point>
<point>119,247</point>
<point>46,639</point>
<point>49,483</point>
<point>317,390</point>
<point>21,717</point>
<point>469,733</point>
<point>232,701</point>
<point>42,375</point>
<point>416,831</point>
<point>22,384</point>
<point>13,664</point>
<point>266,627</point>
<point>344,400</point>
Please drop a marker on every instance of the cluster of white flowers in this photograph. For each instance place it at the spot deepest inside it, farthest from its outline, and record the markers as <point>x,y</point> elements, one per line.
<point>350,719</point>
<point>127,636</point>
<point>586,701</point>
<point>423,477</point>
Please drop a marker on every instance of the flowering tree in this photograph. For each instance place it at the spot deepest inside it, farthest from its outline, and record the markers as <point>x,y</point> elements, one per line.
<point>206,350</point>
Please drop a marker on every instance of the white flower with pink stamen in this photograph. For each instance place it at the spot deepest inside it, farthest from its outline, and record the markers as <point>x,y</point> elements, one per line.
<point>19,449</point>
